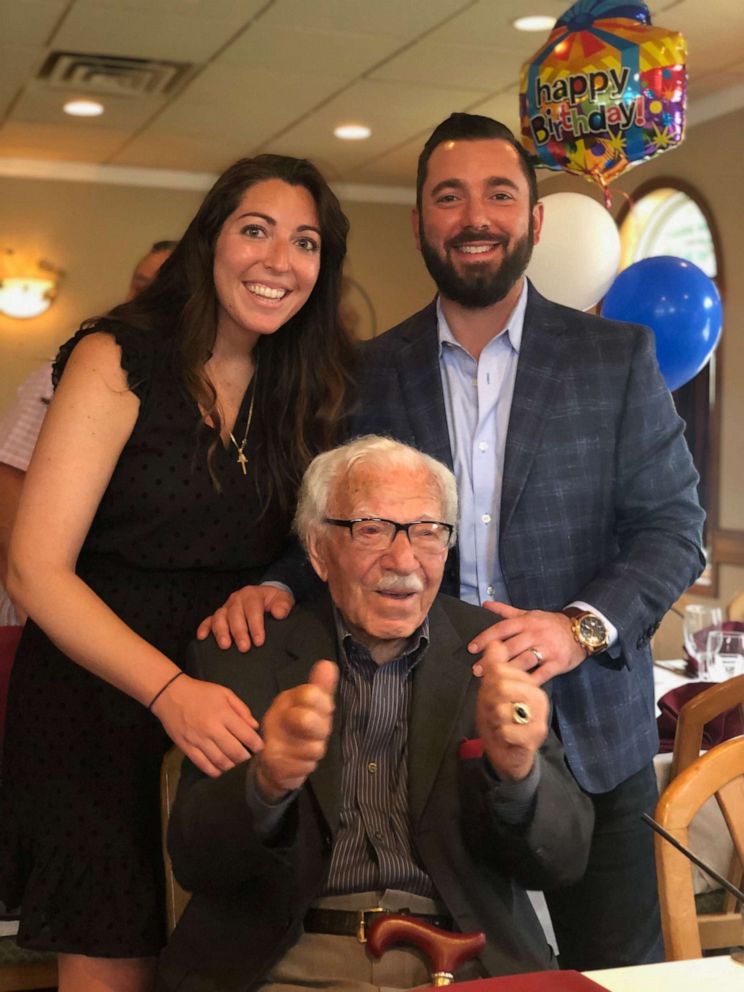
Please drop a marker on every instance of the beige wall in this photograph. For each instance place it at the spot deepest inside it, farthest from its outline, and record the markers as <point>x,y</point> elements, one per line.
<point>97,233</point>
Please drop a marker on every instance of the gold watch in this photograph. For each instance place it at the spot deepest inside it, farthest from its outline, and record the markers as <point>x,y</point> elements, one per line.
<point>588,630</point>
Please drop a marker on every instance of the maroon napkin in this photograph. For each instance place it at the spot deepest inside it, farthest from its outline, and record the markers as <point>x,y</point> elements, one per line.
<point>701,641</point>
<point>719,729</point>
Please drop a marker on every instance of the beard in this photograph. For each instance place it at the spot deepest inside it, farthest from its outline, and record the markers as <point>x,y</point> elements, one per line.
<point>480,285</point>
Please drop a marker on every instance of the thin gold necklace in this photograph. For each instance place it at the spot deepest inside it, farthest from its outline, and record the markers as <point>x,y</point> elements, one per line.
<point>242,460</point>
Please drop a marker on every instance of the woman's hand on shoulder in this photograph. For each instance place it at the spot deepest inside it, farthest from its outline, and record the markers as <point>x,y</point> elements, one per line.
<point>209,723</point>
<point>241,617</point>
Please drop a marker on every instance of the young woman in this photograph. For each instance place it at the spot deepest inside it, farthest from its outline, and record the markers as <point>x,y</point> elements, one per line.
<point>164,477</point>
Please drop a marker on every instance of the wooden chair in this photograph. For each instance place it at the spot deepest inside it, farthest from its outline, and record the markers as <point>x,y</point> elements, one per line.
<point>20,970</point>
<point>715,927</point>
<point>688,738</point>
<point>718,773</point>
<point>735,609</point>
<point>176,898</point>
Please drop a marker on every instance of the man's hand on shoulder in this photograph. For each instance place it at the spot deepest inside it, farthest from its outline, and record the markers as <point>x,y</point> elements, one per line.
<point>296,728</point>
<point>241,617</point>
<point>506,696</point>
<point>536,641</point>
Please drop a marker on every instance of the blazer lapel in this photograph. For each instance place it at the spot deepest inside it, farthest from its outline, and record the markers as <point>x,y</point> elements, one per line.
<point>310,642</point>
<point>441,682</point>
<point>543,350</point>
<point>421,385</point>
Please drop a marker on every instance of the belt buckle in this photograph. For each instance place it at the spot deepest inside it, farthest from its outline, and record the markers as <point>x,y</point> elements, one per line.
<point>361,934</point>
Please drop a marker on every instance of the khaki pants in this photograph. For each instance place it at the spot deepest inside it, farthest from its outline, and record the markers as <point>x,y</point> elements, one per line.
<point>342,964</point>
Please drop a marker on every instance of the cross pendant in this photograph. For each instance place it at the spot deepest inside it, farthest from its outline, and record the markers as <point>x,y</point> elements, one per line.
<point>242,461</point>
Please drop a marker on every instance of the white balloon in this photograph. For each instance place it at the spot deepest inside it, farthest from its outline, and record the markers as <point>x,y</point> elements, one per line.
<point>578,255</point>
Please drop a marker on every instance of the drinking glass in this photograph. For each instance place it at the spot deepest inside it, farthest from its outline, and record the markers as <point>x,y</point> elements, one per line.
<point>698,620</point>
<point>724,655</point>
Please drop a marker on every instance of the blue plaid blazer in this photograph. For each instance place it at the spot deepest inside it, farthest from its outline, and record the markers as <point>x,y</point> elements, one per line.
<point>599,501</point>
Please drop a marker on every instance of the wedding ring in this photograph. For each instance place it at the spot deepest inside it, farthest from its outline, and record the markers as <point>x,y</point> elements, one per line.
<point>538,655</point>
<point>521,713</point>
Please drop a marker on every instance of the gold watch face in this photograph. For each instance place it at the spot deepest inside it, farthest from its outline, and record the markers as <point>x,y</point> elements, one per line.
<point>592,632</point>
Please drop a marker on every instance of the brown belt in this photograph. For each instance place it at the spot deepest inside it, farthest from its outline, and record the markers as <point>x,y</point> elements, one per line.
<point>354,923</point>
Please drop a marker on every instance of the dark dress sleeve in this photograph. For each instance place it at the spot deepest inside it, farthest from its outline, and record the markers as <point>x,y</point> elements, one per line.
<point>137,354</point>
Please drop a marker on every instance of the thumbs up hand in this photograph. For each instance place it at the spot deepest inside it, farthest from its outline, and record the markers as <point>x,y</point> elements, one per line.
<point>296,728</point>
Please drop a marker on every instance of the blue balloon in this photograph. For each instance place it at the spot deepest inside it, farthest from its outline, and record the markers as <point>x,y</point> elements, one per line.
<point>679,303</point>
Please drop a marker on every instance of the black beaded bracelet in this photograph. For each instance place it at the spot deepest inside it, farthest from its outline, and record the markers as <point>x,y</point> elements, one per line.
<point>160,692</point>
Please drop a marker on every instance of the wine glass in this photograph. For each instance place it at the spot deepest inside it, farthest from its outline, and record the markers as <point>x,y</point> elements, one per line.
<point>724,655</point>
<point>698,619</point>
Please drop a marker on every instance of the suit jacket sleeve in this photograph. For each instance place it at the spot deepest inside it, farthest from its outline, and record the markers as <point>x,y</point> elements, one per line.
<point>657,517</point>
<point>551,847</point>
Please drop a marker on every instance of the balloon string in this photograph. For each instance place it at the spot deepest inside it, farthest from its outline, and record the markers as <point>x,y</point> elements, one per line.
<point>609,194</point>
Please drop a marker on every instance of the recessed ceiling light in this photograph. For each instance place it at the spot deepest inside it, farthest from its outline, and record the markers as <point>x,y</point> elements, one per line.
<point>352,132</point>
<point>535,22</point>
<point>83,108</point>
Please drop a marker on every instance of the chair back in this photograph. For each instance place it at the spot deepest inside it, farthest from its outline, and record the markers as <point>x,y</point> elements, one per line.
<point>176,898</point>
<point>735,609</point>
<point>718,773</point>
<point>718,698</point>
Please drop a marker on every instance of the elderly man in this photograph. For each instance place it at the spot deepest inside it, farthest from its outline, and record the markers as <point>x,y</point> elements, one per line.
<point>426,788</point>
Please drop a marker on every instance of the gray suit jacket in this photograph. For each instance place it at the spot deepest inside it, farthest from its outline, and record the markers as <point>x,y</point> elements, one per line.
<point>599,501</point>
<point>250,897</point>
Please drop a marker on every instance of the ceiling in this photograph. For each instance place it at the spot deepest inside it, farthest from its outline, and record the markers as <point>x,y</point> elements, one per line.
<point>279,75</point>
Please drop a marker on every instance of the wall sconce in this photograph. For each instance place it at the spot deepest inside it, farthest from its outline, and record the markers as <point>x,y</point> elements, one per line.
<point>26,289</point>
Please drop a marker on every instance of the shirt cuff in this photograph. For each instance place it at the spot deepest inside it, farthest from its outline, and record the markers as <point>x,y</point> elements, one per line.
<point>266,816</point>
<point>611,628</point>
<point>512,802</point>
<point>284,587</point>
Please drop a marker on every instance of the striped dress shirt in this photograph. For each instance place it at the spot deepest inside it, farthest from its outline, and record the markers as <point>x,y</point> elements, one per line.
<point>373,849</point>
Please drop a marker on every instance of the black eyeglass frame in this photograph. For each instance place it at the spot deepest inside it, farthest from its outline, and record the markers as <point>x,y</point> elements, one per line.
<point>349,524</point>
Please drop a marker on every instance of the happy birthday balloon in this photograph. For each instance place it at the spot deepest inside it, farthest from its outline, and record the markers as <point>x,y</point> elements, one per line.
<point>606,91</point>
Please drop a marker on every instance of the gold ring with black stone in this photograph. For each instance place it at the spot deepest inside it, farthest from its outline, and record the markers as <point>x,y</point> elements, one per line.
<point>521,713</point>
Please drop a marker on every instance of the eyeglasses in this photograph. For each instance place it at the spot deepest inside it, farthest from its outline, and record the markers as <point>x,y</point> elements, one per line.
<point>377,534</point>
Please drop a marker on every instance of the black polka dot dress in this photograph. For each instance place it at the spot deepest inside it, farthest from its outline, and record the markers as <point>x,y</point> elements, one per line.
<point>79,812</point>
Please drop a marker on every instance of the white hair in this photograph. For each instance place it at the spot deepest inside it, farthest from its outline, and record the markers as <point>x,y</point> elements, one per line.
<point>380,452</point>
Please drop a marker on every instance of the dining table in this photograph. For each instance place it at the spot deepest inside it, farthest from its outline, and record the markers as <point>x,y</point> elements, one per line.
<point>720,973</point>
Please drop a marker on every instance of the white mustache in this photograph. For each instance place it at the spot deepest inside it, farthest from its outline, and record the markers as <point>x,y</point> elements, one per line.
<point>400,583</point>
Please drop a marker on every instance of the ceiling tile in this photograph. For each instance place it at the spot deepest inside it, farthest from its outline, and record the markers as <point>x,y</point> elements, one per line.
<point>489,24</point>
<point>30,22</point>
<point>467,66</point>
<point>503,107</point>
<point>17,64</point>
<point>261,105</point>
<point>309,50</point>
<point>70,143</point>
<point>176,151</point>
<point>401,19</point>
<point>43,104</point>
<point>175,33</point>
<point>416,108</point>
<point>250,88</point>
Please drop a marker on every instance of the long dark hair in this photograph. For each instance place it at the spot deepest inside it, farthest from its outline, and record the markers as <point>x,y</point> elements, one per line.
<point>300,393</point>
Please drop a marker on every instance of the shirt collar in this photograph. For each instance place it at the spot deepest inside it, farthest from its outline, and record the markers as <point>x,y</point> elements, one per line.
<point>413,649</point>
<point>513,329</point>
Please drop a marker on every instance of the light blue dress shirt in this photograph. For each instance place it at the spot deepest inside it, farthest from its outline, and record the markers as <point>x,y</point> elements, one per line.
<point>477,399</point>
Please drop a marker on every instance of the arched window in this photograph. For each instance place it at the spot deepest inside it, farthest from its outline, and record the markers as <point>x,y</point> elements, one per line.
<point>668,217</point>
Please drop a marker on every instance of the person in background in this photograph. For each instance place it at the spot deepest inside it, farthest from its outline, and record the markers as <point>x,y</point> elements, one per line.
<point>580,523</point>
<point>20,426</point>
<point>427,789</point>
<point>165,472</point>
